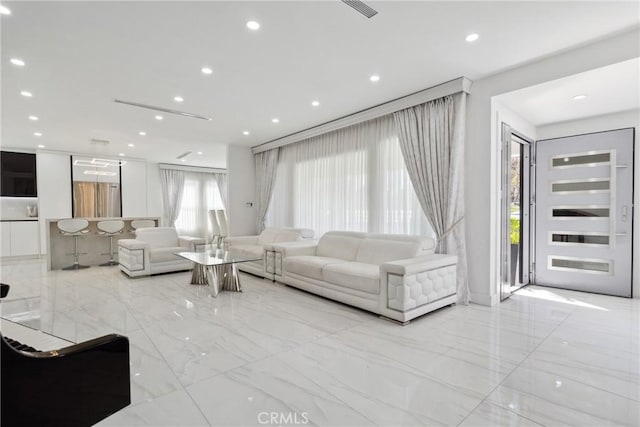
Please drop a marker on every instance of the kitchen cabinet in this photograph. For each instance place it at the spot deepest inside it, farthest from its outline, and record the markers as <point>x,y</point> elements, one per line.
<point>20,238</point>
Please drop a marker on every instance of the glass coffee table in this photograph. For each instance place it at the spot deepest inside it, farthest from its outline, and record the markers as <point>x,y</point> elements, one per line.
<point>217,268</point>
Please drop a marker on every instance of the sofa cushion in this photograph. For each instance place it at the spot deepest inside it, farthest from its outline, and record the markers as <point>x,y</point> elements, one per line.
<point>339,246</point>
<point>249,251</point>
<point>308,265</point>
<point>287,236</point>
<point>267,236</point>
<point>165,254</point>
<point>159,237</point>
<point>375,251</point>
<point>354,275</point>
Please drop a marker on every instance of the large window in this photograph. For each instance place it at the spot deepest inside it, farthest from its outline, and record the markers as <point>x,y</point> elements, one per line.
<point>351,179</point>
<point>200,195</point>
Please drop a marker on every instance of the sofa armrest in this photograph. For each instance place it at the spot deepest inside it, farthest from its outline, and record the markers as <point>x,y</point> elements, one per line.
<point>133,257</point>
<point>301,247</point>
<point>132,244</point>
<point>242,240</point>
<point>414,283</point>
<point>419,264</point>
<point>191,242</point>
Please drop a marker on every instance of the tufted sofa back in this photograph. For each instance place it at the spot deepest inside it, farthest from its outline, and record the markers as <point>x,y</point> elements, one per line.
<point>158,237</point>
<point>373,248</point>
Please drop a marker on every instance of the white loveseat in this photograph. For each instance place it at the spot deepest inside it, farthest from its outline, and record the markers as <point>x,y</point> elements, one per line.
<point>260,246</point>
<point>396,276</point>
<point>153,251</point>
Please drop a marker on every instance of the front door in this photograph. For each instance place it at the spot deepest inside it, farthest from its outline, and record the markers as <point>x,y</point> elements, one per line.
<point>584,212</point>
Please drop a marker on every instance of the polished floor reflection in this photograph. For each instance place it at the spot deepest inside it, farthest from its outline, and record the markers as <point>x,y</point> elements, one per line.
<point>273,355</point>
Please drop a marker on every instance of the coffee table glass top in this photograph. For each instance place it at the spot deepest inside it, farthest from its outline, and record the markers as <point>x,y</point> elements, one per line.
<point>211,257</point>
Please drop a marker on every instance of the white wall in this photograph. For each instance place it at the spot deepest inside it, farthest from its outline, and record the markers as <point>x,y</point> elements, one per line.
<point>241,173</point>
<point>154,192</point>
<point>502,114</point>
<point>482,156</point>
<point>134,188</point>
<point>621,120</point>
<point>54,190</point>
<point>624,119</point>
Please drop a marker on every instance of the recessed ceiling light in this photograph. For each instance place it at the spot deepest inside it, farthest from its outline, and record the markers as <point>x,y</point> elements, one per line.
<point>26,93</point>
<point>37,134</point>
<point>206,70</point>
<point>130,145</point>
<point>315,103</point>
<point>275,120</point>
<point>4,10</point>
<point>472,37</point>
<point>178,98</point>
<point>579,97</point>
<point>246,132</point>
<point>200,153</point>
<point>159,117</point>
<point>183,160</point>
<point>374,78</point>
<point>121,154</point>
<point>40,146</point>
<point>253,25</point>
<point>18,62</point>
<point>34,118</point>
<point>142,133</point>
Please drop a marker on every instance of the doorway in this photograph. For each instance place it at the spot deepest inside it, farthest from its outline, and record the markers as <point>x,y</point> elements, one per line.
<point>584,205</point>
<point>515,224</point>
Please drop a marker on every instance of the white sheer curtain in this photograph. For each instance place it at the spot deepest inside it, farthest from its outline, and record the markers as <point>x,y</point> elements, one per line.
<point>350,179</point>
<point>432,143</point>
<point>200,194</point>
<point>266,167</point>
<point>222,181</point>
<point>172,182</point>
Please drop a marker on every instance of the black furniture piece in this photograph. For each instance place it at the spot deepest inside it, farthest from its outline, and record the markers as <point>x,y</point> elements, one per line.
<point>4,290</point>
<point>77,385</point>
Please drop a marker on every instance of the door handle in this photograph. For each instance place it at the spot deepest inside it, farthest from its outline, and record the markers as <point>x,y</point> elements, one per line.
<point>623,213</point>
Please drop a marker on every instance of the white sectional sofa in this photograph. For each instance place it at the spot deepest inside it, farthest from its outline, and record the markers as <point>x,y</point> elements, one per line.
<point>261,246</point>
<point>396,276</point>
<point>153,251</point>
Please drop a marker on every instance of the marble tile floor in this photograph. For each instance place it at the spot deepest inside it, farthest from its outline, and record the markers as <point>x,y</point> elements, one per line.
<point>274,355</point>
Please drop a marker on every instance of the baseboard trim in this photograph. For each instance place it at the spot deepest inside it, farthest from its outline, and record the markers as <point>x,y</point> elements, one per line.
<point>484,299</point>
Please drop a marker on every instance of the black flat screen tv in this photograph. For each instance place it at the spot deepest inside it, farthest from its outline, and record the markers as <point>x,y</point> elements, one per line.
<point>18,174</point>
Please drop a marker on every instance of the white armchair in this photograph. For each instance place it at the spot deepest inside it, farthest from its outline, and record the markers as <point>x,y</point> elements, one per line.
<point>261,246</point>
<point>153,251</point>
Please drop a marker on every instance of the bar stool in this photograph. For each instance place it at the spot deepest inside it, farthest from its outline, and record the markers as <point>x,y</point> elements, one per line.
<point>110,228</point>
<point>224,226</point>
<point>142,223</point>
<point>74,227</point>
<point>215,228</point>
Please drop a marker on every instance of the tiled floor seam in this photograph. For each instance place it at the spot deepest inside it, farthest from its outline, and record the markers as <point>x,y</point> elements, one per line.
<point>183,388</point>
<point>511,372</point>
<point>268,356</point>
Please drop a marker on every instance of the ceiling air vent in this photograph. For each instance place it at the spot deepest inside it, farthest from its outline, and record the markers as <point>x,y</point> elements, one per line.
<point>361,7</point>
<point>184,155</point>
<point>99,141</point>
<point>164,110</point>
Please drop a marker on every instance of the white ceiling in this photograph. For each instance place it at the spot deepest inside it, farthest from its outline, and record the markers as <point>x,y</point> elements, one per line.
<point>608,90</point>
<point>81,55</point>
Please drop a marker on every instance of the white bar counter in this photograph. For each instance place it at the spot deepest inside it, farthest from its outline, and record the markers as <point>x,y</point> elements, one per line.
<point>95,245</point>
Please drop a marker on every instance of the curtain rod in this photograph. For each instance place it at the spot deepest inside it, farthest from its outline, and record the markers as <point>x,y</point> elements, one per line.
<point>461,84</point>
<point>191,168</point>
